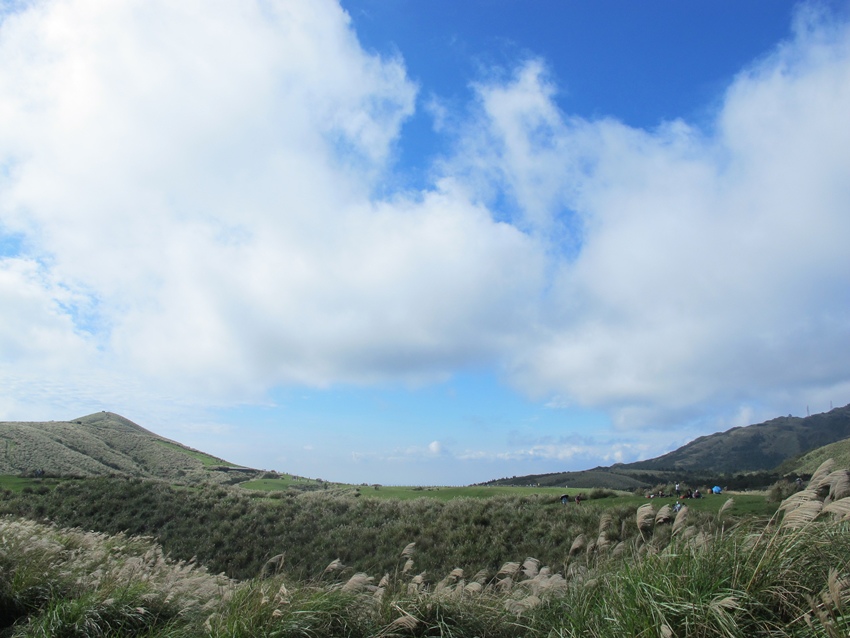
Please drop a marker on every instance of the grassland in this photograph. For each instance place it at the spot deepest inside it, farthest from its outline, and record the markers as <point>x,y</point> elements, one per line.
<point>21,483</point>
<point>205,459</point>
<point>618,570</point>
<point>746,503</point>
<point>280,483</point>
<point>407,492</point>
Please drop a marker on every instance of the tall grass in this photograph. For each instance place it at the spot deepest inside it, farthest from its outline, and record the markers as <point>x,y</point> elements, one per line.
<point>231,532</point>
<point>60,582</point>
<point>643,572</point>
<point>708,579</point>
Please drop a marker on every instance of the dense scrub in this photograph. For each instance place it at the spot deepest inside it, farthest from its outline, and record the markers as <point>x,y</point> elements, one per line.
<point>232,532</point>
<point>676,576</point>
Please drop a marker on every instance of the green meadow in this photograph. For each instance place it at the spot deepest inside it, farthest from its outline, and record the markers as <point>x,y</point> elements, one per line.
<point>751,503</point>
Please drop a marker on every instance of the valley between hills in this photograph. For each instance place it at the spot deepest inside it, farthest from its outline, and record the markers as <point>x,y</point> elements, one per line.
<point>108,529</point>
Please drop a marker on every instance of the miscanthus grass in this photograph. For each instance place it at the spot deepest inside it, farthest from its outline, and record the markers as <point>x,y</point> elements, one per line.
<point>59,582</point>
<point>657,572</point>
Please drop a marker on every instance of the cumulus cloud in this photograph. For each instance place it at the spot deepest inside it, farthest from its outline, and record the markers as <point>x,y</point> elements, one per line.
<point>710,269</point>
<point>203,175</point>
<point>201,191</point>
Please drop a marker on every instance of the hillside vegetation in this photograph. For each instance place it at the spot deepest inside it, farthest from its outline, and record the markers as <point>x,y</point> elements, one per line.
<point>639,571</point>
<point>809,462</point>
<point>102,444</point>
<point>235,531</point>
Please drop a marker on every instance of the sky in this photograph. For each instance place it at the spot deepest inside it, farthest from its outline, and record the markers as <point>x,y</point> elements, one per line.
<point>429,243</point>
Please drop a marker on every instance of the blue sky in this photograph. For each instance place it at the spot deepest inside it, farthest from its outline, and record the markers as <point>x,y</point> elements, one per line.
<point>424,242</point>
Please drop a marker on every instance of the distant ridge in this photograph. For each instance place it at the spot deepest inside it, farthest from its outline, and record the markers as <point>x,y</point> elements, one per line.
<point>100,444</point>
<point>768,448</point>
<point>758,447</point>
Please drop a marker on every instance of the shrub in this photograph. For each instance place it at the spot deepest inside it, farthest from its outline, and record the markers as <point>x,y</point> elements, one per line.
<point>781,490</point>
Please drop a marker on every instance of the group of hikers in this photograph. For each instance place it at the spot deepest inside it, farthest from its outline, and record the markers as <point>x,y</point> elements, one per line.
<point>689,494</point>
<point>681,494</point>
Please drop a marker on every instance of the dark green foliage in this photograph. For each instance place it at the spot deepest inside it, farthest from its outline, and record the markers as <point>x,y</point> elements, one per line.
<point>232,531</point>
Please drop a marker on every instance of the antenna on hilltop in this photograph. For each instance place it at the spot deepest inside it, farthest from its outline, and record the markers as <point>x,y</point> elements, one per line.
<point>807,411</point>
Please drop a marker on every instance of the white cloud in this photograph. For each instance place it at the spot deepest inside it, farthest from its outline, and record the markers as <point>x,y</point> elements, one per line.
<point>202,173</point>
<point>196,183</point>
<point>40,330</point>
<point>712,269</point>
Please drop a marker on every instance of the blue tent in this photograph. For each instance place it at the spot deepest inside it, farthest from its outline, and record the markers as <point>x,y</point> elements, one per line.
<point>716,489</point>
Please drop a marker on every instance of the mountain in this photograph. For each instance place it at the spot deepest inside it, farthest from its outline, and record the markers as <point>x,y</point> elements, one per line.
<point>101,444</point>
<point>758,447</point>
<point>763,451</point>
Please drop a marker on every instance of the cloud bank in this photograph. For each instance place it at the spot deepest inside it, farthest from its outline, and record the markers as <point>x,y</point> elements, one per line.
<point>194,203</point>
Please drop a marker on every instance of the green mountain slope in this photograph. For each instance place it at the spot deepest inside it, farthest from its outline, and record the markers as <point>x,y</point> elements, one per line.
<point>809,462</point>
<point>762,446</point>
<point>764,451</point>
<point>101,444</point>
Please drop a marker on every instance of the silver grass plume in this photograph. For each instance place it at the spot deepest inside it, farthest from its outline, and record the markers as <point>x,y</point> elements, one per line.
<point>530,567</point>
<point>802,515</point>
<point>664,515</point>
<point>681,519</point>
<point>840,508</point>
<point>645,517</point>
<point>509,569</point>
<point>839,485</point>
<point>357,583</point>
<point>578,544</point>
<point>821,473</point>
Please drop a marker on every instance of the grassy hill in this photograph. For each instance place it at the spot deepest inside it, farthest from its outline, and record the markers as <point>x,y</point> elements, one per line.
<point>743,457</point>
<point>105,443</point>
<point>762,446</point>
<point>102,444</point>
<point>809,462</point>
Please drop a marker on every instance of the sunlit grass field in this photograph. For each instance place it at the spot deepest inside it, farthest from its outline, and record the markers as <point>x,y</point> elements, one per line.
<point>16,483</point>
<point>746,503</point>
